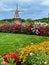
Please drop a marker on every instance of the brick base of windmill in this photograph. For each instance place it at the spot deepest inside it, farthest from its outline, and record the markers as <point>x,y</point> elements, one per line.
<point>17,20</point>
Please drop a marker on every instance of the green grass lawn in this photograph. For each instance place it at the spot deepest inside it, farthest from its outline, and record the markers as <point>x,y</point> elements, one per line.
<point>11,42</point>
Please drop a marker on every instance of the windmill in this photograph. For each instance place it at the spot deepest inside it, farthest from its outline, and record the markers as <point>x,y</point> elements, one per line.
<point>17,19</point>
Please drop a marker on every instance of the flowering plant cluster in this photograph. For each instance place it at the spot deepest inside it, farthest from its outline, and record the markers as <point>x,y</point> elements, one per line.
<point>11,28</point>
<point>41,23</point>
<point>27,29</point>
<point>30,50</point>
<point>35,54</point>
<point>10,59</point>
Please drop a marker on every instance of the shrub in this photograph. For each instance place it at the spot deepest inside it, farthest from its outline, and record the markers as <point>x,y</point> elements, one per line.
<point>26,29</point>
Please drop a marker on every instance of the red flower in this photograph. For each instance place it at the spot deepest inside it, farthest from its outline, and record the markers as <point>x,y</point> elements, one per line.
<point>16,60</point>
<point>6,57</point>
<point>48,33</point>
<point>12,55</point>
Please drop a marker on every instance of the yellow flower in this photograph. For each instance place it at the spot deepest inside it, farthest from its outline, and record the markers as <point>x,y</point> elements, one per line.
<point>24,52</point>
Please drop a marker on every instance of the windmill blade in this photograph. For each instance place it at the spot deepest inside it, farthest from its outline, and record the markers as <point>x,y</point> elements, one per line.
<point>12,10</point>
<point>17,6</point>
<point>7,10</point>
<point>20,10</point>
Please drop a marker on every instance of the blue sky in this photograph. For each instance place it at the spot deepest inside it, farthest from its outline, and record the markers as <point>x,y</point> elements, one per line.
<point>33,9</point>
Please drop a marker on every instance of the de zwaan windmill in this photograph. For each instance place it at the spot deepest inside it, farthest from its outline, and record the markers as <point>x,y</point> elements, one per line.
<point>17,19</point>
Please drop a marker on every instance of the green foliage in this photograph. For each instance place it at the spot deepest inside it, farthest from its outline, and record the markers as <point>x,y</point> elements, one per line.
<point>1,60</point>
<point>11,62</point>
<point>22,21</point>
<point>46,20</point>
<point>29,21</point>
<point>38,58</point>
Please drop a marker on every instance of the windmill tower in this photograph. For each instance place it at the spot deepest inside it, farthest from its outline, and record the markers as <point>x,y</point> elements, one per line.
<point>17,19</point>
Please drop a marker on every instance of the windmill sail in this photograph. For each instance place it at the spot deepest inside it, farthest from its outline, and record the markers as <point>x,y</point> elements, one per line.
<point>16,12</point>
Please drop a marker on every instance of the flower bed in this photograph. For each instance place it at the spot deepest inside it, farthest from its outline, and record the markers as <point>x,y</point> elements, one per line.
<point>30,29</point>
<point>34,54</point>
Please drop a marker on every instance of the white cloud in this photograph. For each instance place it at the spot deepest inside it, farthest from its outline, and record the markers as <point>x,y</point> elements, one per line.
<point>35,6</point>
<point>4,4</point>
<point>26,0</point>
<point>45,2</point>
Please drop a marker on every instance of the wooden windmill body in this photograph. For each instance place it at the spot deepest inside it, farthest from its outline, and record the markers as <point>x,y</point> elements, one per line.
<point>17,19</point>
